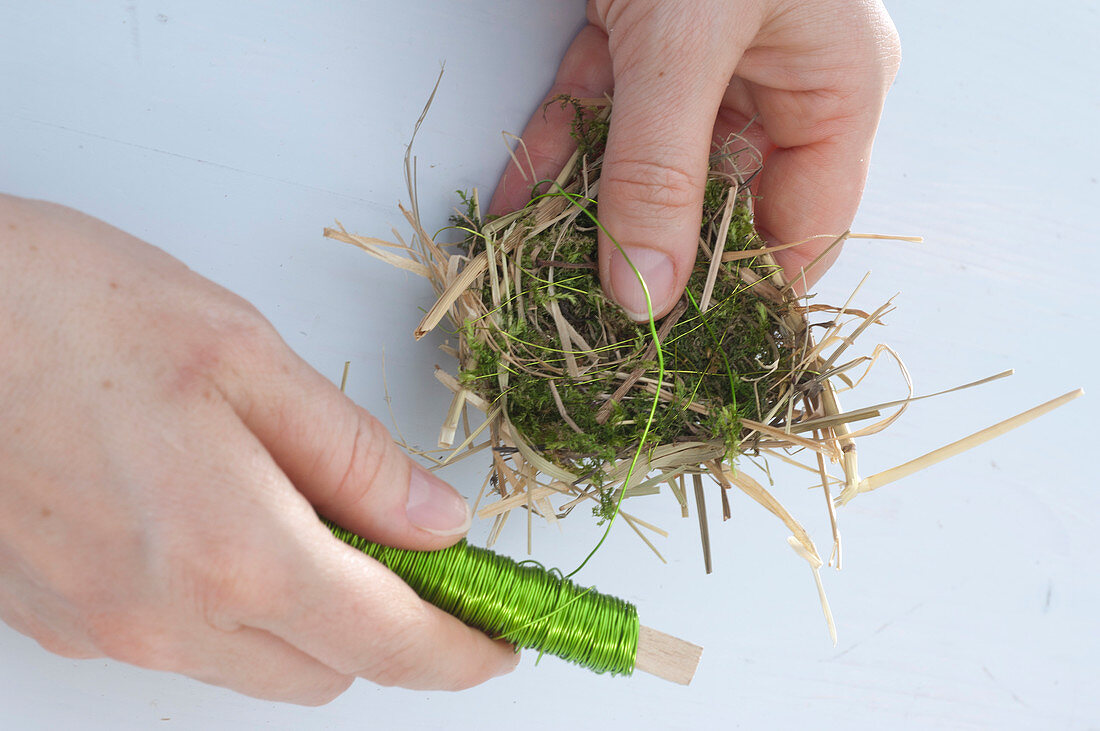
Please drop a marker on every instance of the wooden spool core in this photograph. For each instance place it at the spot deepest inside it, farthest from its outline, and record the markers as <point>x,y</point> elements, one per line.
<point>666,656</point>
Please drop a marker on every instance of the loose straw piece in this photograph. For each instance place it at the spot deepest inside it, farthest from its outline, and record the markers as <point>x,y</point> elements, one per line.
<point>719,249</point>
<point>954,448</point>
<point>701,511</point>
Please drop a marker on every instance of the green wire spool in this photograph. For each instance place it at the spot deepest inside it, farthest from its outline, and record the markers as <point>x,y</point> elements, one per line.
<point>523,603</point>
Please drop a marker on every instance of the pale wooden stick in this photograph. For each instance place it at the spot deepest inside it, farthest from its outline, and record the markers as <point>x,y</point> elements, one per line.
<point>667,657</point>
<point>950,450</point>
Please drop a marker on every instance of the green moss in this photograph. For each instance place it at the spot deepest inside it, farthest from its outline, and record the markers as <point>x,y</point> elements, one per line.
<point>589,127</point>
<point>714,197</point>
<point>713,359</point>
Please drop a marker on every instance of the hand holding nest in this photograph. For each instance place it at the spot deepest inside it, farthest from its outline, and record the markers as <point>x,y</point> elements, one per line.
<point>802,82</point>
<point>161,454</point>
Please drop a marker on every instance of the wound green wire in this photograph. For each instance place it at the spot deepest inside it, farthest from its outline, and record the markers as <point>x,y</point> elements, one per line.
<point>523,603</point>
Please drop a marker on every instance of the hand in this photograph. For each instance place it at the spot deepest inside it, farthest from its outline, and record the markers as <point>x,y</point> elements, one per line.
<point>161,455</point>
<point>805,80</point>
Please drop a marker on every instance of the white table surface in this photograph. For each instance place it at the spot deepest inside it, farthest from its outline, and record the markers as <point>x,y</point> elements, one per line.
<point>231,133</point>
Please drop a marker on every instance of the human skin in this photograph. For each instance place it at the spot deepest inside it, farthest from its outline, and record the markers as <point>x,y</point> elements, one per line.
<point>163,453</point>
<point>803,81</point>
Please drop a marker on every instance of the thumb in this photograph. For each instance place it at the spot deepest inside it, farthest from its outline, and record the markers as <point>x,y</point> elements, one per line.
<point>343,460</point>
<point>672,62</point>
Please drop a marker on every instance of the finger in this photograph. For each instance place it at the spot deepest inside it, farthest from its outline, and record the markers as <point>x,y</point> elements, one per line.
<point>811,185</point>
<point>258,664</point>
<point>741,140</point>
<point>670,78</point>
<point>357,617</point>
<point>822,119</point>
<point>341,458</point>
<point>585,72</point>
<point>263,560</point>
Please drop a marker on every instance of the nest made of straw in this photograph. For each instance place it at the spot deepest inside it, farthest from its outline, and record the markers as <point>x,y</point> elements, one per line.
<point>583,406</point>
<point>586,387</point>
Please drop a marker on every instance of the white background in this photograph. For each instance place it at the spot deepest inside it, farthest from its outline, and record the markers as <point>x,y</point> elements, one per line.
<point>231,133</point>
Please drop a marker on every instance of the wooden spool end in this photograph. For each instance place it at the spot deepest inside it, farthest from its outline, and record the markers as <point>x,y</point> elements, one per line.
<point>666,656</point>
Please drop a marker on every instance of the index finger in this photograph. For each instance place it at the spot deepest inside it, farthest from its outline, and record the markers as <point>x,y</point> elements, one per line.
<point>585,71</point>
<point>359,618</point>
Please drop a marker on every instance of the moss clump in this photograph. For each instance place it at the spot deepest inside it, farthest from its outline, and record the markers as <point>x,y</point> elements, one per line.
<point>568,401</point>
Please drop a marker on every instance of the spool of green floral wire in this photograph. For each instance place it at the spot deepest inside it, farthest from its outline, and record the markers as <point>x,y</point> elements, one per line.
<point>523,603</point>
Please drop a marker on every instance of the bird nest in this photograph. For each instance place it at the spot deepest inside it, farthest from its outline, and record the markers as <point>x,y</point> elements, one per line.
<point>584,407</point>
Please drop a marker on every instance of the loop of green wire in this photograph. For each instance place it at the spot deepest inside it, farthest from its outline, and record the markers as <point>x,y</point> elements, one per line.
<point>523,603</point>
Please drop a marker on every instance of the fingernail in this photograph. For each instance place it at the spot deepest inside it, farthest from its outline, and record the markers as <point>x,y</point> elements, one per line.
<point>434,506</point>
<point>655,268</point>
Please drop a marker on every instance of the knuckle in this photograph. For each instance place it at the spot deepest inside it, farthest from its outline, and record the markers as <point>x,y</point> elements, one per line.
<point>223,584</point>
<point>880,39</point>
<point>360,462</point>
<point>651,186</point>
<point>400,661</point>
<point>237,320</point>
<point>621,15</point>
<point>890,48</point>
<point>135,637</point>
<point>217,340</point>
<point>220,590</point>
<point>408,658</point>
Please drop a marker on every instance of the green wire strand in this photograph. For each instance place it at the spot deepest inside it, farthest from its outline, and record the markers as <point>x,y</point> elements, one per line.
<point>576,200</point>
<point>523,603</point>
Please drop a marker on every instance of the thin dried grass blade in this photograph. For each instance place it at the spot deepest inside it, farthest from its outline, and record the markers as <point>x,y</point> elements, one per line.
<point>756,491</point>
<point>371,246</point>
<point>561,408</point>
<point>519,499</point>
<point>450,423</point>
<point>718,249</point>
<point>454,386</point>
<point>677,488</point>
<point>876,409</point>
<point>888,237</point>
<point>828,422</point>
<point>630,522</point>
<point>815,567</point>
<point>475,268</point>
<point>453,457</point>
<point>962,445</point>
<point>498,526</point>
<point>771,431</point>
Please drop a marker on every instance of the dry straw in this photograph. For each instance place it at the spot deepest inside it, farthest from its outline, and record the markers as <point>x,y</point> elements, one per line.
<point>580,406</point>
